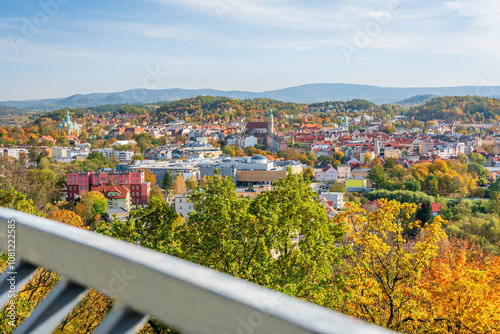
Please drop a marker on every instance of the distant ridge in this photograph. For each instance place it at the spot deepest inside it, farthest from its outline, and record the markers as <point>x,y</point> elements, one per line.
<point>415,100</point>
<point>310,93</point>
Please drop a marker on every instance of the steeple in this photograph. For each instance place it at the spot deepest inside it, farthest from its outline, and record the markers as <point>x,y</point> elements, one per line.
<point>270,122</point>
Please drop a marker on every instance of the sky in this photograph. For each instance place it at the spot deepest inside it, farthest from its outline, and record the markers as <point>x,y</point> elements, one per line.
<point>57,48</point>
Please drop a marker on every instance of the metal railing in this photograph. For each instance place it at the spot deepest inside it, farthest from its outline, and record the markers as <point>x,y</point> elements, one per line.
<point>144,283</point>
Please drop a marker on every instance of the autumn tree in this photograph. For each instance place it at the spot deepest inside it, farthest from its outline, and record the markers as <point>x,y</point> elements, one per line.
<point>381,268</point>
<point>86,315</point>
<point>156,192</point>
<point>367,157</point>
<point>180,185</point>
<point>460,291</point>
<point>91,207</point>
<point>191,183</point>
<point>150,177</point>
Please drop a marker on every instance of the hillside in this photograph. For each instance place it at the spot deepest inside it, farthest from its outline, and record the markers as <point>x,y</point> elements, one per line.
<point>311,93</point>
<point>459,108</point>
<point>415,100</point>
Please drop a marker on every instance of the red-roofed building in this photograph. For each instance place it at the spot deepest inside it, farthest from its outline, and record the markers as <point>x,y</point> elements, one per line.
<point>435,207</point>
<point>256,127</point>
<point>49,138</point>
<point>328,174</point>
<point>116,196</point>
<point>79,183</point>
<point>371,206</point>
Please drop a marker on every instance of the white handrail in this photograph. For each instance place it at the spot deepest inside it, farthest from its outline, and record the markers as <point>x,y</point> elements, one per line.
<point>186,296</point>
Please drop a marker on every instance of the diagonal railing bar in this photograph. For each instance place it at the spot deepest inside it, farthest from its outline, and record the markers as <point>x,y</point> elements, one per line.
<point>13,279</point>
<point>186,296</point>
<point>53,309</point>
<point>122,320</point>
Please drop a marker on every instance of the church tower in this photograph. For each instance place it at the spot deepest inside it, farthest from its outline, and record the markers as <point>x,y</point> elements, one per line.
<point>270,122</point>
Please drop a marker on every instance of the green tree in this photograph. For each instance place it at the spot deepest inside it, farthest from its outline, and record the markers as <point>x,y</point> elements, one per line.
<point>424,213</point>
<point>412,185</point>
<point>432,185</point>
<point>377,176</point>
<point>157,192</point>
<point>138,156</point>
<point>389,163</point>
<point>16,200</point>
<point>167,183</point>
<point>154,227</point>
<point>275,240</point>
<point>477,170</point>
<point>92,206</point>
<point>495,186</point>
<point>477,158</point>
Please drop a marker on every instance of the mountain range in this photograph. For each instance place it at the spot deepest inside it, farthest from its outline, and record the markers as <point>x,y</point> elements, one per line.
<point>310,93</point>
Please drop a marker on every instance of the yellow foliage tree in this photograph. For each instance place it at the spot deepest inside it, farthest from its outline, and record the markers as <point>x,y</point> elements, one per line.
<point>179,185</point>
<point>381,268</point>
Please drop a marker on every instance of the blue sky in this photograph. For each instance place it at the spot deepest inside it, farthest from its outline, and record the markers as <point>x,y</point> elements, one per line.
<point>56,48</point>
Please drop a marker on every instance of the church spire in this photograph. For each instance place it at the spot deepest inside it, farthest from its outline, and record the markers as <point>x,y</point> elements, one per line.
<point>270,122</point>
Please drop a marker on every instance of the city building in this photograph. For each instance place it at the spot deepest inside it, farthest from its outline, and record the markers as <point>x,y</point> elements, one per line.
<point>182,206</point>
<point>79,183</point>
<point>327,174</point>
<point>116,196</point>
<point>336,200</point>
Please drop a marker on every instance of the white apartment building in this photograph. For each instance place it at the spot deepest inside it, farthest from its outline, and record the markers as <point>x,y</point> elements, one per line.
<point>182,206</point>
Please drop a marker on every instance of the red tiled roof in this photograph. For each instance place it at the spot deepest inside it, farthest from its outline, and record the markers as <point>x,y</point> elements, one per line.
<point>105,190</point>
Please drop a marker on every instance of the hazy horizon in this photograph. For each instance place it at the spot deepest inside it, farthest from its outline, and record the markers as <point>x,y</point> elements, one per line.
<point>58,48</point>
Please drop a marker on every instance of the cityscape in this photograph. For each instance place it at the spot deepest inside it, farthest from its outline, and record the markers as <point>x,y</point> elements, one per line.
<point>277,200</point>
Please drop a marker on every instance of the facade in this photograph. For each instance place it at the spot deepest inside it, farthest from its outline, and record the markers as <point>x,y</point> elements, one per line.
<point>182,206</point>
<point>116,196</point>
<point>327,174</point>
<point>13,152</point>
<point>393,153</point>
<point>122,156</point>
<point>246,141</point>
<point>159,153</point>
<point>246,178</point>
<point>343,171</point>
<point>160,168</point>
<point>336,200</point>
<point>79,183</point>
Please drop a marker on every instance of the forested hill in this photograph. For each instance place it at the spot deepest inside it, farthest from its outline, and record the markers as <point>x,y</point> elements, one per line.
<point>209,108</point>
<point>459,108</point>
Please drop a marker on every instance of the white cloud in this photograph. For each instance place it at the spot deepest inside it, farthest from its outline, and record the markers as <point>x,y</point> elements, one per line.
<point>278,13</point>
<point>143,29</point>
